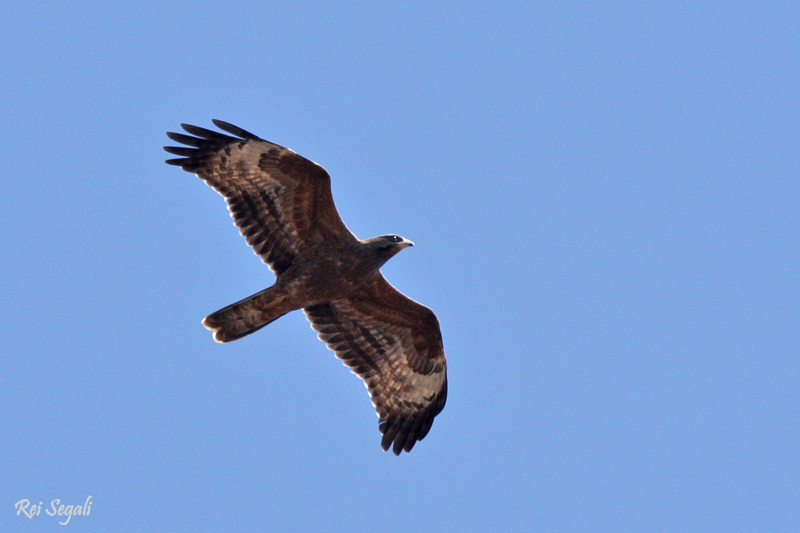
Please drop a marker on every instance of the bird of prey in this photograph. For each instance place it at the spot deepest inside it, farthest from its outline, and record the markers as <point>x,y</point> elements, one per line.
<point>283,206</point>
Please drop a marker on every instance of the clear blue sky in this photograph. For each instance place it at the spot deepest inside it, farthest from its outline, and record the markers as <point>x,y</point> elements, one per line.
<point>604,198</point>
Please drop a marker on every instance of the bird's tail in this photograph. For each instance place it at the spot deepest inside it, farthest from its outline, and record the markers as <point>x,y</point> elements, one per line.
<point>248,315</point>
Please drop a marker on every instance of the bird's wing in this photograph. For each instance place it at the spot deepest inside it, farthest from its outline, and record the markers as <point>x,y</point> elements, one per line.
<point>280,201</point>
<point>394,344</point>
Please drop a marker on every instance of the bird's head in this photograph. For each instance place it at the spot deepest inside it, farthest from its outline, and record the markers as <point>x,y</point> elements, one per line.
<point>386,246</point>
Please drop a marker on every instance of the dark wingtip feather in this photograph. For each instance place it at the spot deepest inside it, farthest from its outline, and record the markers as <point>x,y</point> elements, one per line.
<point>389,430</point>
<point>177,162</point>
<point>206,134</point>
<point>413,434</point>
<point>405,436</point>
<point>185,139</point>
<point>179,150</point>
<point>426,424</point>
<point>235,130</point>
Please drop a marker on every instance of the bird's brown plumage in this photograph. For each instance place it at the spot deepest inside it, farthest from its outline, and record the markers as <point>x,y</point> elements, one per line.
<point>283,206</point>
<point>280,201</point>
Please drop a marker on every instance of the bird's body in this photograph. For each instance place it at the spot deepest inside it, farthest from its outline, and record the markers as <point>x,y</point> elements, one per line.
<point>322,274</point>
<point>283,205</point>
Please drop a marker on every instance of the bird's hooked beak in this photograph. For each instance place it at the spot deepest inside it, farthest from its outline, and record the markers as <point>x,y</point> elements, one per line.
<point>406,243</point>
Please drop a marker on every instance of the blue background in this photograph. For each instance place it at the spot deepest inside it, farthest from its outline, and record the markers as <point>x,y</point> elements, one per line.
<point>604,198</point>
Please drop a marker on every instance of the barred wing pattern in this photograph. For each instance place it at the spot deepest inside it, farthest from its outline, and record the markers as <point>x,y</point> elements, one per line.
<point>394,344</point>
<point>281,202</point>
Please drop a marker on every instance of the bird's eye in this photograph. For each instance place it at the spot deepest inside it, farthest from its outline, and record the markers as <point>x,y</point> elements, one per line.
<point>396,238</point>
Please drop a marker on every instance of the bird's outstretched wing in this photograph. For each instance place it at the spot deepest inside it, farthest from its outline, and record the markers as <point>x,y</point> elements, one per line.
<point>394,344</point>
<point>280,201</point>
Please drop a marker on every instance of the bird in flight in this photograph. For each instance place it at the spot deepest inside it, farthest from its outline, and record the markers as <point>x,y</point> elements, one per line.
<point>283,206</point>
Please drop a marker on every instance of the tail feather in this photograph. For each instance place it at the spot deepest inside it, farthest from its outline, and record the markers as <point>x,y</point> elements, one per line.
<point>247,316</point>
